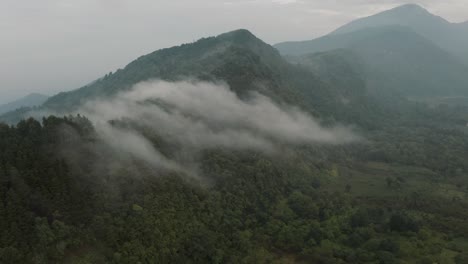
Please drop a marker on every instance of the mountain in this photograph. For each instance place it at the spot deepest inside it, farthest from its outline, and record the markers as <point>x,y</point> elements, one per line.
<point>452,37</point>
<point>394,58</point>
<point>30,100</point>
<point>410,15</point>
<point>341,68</point>
<point>238,58</point>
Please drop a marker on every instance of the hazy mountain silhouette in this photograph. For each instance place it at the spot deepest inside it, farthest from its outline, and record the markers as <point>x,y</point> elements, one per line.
<point>395,58</point>
<point>30,100</point>
<point>452,37</point>
<point>405,49</point>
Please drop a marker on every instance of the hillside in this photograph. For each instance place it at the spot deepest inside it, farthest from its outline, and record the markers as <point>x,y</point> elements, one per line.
<point>27,101</point>
<point>395,59</point>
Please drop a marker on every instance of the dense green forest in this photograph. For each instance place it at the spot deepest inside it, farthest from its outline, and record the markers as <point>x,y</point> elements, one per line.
<point>399,199</point>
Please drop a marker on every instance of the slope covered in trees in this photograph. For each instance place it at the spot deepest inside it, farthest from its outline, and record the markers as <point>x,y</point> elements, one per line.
<point>61,202</point>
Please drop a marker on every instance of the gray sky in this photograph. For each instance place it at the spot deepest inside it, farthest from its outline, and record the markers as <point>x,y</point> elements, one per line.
<point>57,45</point>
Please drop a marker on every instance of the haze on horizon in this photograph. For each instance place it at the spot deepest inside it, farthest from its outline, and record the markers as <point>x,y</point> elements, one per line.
<point>51,46</point>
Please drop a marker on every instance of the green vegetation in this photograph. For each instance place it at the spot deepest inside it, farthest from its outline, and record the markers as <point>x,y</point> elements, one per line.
<point>391,201</point>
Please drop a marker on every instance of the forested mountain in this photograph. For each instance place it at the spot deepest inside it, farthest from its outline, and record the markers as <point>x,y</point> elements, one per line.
<point>449,36</point>
<point>239,156</point>
<point>27,101</point>
<point>394,58</point>
<point>241,60</point>
<point>235,57</point>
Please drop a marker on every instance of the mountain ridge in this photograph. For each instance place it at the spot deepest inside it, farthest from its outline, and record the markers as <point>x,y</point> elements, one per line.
<point>30,100</point>
<point>409,61</point>
<point>199,60</point>
<point>242,61</point>
<point>449,36</point>
<point>401,15</point>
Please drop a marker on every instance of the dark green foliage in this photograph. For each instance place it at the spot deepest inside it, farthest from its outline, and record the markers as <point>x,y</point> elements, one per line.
<point>248,208</point>
<point>403,223</point>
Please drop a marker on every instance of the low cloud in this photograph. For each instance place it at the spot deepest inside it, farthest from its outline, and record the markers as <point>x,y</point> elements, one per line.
<point>196,116</point>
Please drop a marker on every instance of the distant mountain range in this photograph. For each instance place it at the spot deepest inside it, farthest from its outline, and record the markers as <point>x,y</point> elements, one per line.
<point>405,50</point>
<point>394,58</point>
<point>452,37</point>
<point>30,100</point>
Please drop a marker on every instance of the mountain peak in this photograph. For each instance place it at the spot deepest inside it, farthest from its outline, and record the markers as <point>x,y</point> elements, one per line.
<point>410,15</point>
<point>208,59</point>
<point>239,35</point>
<point>409,10</point>
<point>238,32</point>
<point>409,7</point>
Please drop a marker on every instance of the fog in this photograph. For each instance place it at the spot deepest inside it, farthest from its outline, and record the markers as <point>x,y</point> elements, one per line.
<point>195,116</point>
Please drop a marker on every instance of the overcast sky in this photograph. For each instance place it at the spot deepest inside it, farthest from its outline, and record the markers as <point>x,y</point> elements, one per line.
<point>57,45</point>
